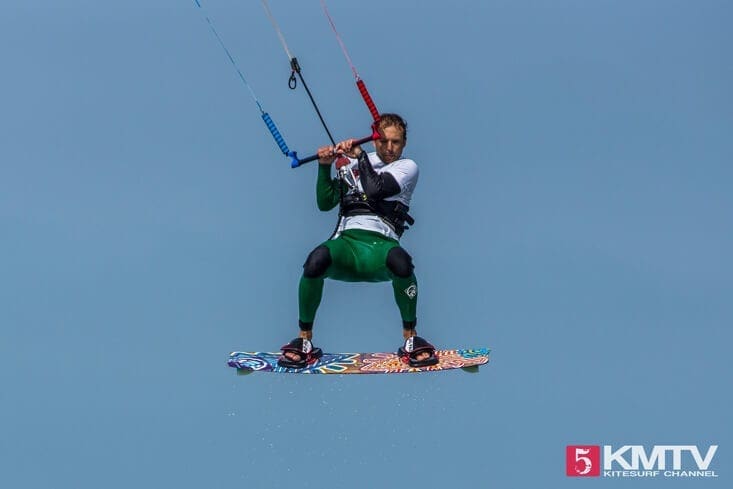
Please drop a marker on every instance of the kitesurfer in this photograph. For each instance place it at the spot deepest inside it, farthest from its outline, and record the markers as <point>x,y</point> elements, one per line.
<point>373,192</point>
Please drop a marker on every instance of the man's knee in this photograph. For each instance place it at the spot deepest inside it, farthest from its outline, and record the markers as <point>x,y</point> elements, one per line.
<point>317,262</point>
<point>399,262</point>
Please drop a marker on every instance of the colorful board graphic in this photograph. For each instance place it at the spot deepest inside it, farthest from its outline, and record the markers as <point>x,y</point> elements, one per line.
<point>359,363</point>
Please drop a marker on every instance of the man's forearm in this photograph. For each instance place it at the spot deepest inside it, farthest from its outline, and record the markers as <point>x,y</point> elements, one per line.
<point>327,189</point>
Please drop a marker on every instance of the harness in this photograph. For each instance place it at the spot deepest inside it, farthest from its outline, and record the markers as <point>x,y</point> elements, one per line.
<point>393,212</point>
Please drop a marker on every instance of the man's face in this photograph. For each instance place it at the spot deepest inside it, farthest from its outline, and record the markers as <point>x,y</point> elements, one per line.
<point>389,147</point>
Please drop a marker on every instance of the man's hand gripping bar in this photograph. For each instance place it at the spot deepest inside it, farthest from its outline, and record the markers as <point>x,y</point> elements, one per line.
<point>295,162</point>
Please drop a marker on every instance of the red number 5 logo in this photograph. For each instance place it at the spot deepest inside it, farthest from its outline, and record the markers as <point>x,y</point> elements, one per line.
<point>583,460</point>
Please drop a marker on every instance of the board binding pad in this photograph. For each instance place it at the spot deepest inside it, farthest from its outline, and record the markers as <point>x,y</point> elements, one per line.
<point>359,363</point>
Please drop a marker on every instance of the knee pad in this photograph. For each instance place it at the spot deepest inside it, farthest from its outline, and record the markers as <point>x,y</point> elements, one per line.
<point>317,262</point>
<point>399,262</point>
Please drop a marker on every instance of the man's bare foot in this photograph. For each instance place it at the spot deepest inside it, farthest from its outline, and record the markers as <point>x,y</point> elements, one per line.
<point>299,352</point>
<point>291,355</point>
<point>294,355</point>
<point>420,356</point>
<point>417,350</point>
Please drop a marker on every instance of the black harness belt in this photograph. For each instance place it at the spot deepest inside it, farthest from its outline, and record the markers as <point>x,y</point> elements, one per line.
<point>393,212</point>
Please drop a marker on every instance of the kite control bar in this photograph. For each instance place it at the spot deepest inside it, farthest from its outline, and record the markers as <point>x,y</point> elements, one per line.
<point>295,162</point>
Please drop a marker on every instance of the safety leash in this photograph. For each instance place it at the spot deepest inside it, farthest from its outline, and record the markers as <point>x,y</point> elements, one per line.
<point>265,116</point>
<point>295,68</point>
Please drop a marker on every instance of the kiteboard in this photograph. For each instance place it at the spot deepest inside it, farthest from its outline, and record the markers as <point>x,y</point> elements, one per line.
<point>468,360</point>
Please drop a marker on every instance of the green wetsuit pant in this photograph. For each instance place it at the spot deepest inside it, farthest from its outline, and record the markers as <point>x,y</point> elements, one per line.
<point>358,256</point>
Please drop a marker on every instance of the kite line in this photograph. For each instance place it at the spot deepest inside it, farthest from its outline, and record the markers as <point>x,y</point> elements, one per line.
<point>295,68</point>
<point>292,83</point>
<point>359,82</point>
<point>265,116</point>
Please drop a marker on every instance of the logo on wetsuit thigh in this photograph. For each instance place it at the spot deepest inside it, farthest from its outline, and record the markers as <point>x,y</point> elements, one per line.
<point>411,291</point>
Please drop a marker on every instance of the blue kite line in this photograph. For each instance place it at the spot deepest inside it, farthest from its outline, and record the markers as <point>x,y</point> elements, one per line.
<point>265,116</point>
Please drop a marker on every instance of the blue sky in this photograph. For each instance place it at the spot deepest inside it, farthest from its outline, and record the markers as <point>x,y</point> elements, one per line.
<point>573,214</point>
